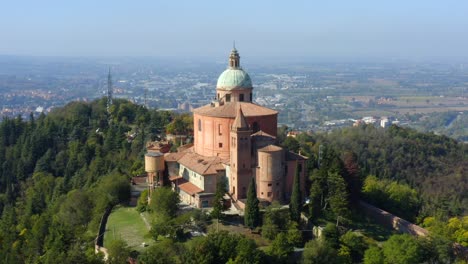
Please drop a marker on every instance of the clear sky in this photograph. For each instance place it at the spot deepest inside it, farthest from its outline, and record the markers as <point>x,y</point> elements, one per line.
<point>325,28</point>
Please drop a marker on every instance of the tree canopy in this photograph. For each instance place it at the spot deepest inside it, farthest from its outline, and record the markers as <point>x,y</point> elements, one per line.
<point>295,206</point>
<point>252,211</point>
<point>59,172</point>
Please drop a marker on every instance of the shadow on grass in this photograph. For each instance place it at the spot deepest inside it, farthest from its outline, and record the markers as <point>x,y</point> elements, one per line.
<point>370,228</point>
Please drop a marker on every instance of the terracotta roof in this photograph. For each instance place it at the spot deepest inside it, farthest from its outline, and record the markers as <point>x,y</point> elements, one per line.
<point>240,122</point>
<point>230,110</point>
<point>270,148</point>
<point>260,133</point>
<point>188,187</point>
<point>294,156</point>
<point>185,148</point>
<point>174,156</point>
<point>175,177</point>
<point>201,164</point>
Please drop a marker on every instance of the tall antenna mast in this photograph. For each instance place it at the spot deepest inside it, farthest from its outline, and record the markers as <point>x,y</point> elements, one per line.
<point>146,97</point>
<point>109,91</point>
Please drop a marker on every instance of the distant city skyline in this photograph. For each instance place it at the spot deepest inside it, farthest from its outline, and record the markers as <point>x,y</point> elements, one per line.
<point>394,29</point>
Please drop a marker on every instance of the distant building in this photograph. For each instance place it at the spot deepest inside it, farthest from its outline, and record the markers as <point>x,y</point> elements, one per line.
<point>234,139</point>
<point>385,122</point>
<point>158,146</point>
<point>293,133</point>
<point>358,123</point>
<point>185,106</point>
<point>369,120</point>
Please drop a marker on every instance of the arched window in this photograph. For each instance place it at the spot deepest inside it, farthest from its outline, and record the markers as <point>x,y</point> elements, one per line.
<point>199,124</point>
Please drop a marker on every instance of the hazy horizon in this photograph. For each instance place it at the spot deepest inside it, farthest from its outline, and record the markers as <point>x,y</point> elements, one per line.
<point>261,29</point>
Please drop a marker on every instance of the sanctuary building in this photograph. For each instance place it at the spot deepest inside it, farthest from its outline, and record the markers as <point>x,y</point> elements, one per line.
<point>234,138</point>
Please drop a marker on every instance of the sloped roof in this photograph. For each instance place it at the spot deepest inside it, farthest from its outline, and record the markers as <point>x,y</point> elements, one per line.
<point>230,110</point>
<point>175,177</point>
<point>174,156</point>
<point>260,133</point>
<point>270,148</point>
<point>188,187</point>
<point>294,156</point>
<point>240,122</point>
<point>201,164</point>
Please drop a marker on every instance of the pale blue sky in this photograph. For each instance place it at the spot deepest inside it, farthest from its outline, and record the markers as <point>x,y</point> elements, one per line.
<point>348,28</point>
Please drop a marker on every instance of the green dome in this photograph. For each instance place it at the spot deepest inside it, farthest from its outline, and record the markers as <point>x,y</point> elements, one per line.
<point>233,78</point>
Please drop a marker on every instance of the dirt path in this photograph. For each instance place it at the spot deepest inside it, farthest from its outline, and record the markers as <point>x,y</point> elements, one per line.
<point>148,226</point>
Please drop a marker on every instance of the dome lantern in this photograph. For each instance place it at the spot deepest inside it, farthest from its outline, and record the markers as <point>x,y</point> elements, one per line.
<point>234,84</point>
<point>234,59</point>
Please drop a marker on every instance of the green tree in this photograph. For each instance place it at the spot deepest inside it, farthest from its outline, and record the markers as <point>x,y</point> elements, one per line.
<point>274,219</point>
<point>218,202</point>
<point>164,252</point>
<point>181,125</point>
<point>291,144</point>
<point>164,202</point>
<point>355,243</point>
<point>318,193</point>
<point>280,248</point>
<point>402,249</point>
<point>269,229</point>
<point>295,205</point>
<point>200,250</point>
<point>294,234</point>
<point>437,249</point>
<point>319,252</point>
<point>118,252</point>
<point>373,255</point>
<point>111,190</point>
<point>173,227</point>
<point>344,255</point>
<point>328,191</point>
<point>142,204</point>
<point>247,252</point>
<point>338,196</point>
<point>222,247</point>
<point>75,208</point>
<point>252,211</point>
<point>331,235</point>
<point>392,196</point>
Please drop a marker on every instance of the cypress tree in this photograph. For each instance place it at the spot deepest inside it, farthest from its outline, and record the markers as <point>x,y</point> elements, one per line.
<point>252,212</point>
<point>218,206</point>
<point>295,204</point>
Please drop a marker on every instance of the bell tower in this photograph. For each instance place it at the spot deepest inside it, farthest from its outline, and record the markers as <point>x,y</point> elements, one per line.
<point>241,156</point>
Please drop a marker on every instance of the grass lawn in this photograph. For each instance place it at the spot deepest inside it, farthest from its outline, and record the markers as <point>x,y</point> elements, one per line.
<point>126,223</point>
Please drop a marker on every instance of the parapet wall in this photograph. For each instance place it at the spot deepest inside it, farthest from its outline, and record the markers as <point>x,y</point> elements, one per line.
<point>99,242</point>
<point>394,222</point>
<point>391,221</point>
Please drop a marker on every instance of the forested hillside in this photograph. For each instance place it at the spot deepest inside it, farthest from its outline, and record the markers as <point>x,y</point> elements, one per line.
<point>59,172</point>
<point>435,166</point>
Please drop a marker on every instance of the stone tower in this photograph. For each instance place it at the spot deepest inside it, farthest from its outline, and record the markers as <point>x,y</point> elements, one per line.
<point>241,156</point>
